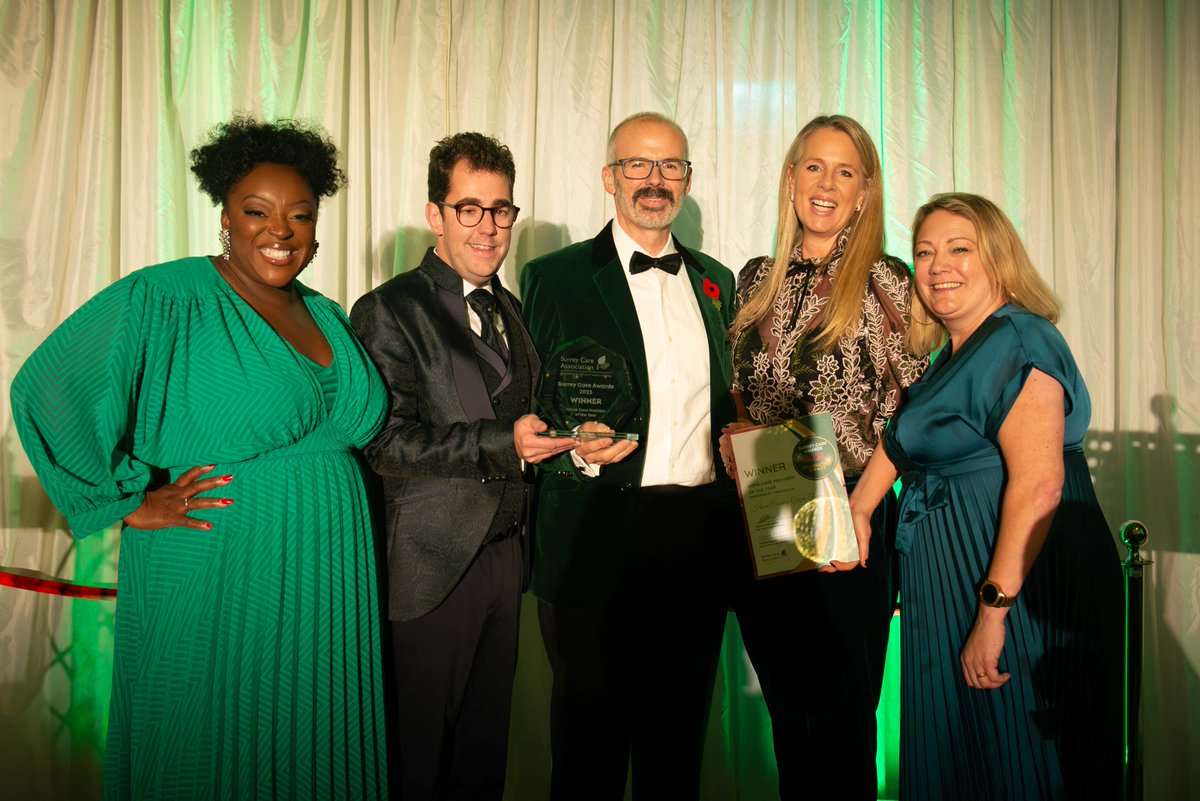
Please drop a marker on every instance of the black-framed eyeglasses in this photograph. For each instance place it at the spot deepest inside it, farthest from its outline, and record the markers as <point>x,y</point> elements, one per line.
<point>636,168</point>
<point>470,215</point>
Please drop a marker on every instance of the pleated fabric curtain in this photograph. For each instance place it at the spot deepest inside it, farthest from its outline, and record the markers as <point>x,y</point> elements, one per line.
<point>1078,117</point>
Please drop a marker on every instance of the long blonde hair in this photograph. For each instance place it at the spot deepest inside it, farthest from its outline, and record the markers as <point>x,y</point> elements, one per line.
<point>864,248</point>
<point>1008,266</point>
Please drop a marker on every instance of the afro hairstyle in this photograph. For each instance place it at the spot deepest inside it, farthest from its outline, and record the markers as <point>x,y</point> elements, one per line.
<point>236,147</point>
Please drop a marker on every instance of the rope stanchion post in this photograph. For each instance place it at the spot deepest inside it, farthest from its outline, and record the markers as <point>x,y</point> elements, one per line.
<point>1135,535</point>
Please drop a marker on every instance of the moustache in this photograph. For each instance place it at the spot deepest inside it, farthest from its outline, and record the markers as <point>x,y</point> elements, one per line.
<point>654,192</point>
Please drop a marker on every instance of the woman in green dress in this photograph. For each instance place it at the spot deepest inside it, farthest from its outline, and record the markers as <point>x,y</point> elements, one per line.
<point>1011,631</point>
<point>214,405</point>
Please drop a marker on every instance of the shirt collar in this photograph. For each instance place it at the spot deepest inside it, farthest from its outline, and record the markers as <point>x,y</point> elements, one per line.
<point>626,246</point>
<point>835,255</point>
<point>467,286</point>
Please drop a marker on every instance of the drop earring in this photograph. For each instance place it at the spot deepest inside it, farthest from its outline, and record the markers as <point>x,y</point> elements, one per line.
<point>224,243</point>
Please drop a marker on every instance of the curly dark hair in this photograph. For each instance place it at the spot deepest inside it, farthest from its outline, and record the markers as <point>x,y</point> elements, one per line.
<point>481,151</point>
<point>236,147</point>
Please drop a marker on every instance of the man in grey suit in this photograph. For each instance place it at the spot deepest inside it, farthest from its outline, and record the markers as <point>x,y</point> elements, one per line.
<point>461,371</point>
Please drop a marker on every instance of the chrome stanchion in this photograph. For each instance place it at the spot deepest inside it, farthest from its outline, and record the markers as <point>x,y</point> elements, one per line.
<point>1134,534</point>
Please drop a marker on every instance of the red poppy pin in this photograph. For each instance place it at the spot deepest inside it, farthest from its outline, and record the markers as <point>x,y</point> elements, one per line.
<point>714,292</point>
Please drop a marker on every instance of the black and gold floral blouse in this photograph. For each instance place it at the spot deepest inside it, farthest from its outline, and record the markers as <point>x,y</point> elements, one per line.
<point>781,374</point>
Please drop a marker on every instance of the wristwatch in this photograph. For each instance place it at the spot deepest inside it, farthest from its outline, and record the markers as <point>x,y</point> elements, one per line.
<point>990,594</point>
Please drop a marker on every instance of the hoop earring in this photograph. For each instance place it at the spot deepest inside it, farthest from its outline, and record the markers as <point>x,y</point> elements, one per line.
<point>224,237</point>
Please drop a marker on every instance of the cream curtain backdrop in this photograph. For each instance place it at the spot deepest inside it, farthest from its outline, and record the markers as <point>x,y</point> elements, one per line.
<point>1079,118</point>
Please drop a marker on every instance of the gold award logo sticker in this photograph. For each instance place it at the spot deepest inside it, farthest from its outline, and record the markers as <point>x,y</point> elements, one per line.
<point>814,457</point>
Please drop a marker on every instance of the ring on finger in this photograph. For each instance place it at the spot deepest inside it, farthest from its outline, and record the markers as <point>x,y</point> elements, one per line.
<point>980,675</point>
<point>187,503</point>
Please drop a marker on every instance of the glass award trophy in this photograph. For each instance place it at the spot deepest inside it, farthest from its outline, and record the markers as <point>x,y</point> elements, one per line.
<point>583,381</point>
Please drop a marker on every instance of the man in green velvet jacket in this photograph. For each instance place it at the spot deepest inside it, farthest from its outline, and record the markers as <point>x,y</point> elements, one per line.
<point>633,544</point>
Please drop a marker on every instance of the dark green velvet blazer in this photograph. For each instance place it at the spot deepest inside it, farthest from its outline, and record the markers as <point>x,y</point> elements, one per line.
<point>582,537</point>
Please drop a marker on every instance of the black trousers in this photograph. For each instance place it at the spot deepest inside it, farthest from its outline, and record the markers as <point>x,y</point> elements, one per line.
<point>634,671</point>
<point>453,671</point>
<point>818,642</point>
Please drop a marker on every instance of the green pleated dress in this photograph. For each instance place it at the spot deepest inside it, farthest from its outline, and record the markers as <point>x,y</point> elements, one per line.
<point>247,658</point>
<point>1054,730</point>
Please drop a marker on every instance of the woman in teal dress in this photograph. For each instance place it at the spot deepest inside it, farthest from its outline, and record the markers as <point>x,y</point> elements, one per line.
<point>215,405</point>
<point>1010,585</point>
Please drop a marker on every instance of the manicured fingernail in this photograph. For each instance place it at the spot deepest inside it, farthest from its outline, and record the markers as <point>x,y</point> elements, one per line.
<point>209,466</point>
<point>226,501</point>
<point>227,478</point>
<point>208,526</point>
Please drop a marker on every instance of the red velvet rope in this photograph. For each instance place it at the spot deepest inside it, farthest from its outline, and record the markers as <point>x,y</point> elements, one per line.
<point>40,582</point>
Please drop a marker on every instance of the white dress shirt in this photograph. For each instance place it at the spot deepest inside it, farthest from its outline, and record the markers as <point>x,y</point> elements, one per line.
<point>678,442</point>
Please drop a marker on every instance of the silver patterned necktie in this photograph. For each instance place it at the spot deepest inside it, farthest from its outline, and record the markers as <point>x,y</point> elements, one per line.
<point>484,304</point>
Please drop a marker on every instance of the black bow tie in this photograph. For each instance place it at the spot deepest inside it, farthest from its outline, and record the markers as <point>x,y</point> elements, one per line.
<point>641,262</point>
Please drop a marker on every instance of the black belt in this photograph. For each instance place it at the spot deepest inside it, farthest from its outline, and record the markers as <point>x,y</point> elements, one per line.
<point>668,490</point>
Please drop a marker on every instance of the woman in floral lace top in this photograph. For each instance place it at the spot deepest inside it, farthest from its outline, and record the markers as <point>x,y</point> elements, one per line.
<point>781,371</point>
<point>821,329</point>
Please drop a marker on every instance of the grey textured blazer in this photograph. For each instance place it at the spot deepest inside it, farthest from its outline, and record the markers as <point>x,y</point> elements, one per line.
<point>442,453</point>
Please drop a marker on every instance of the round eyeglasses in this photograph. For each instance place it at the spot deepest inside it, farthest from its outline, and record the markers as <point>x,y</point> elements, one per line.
<point>637,168</point>
<point>471,214</point>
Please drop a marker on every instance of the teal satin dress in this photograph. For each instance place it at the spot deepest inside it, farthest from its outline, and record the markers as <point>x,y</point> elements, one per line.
<point>1054,730</point>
